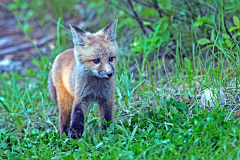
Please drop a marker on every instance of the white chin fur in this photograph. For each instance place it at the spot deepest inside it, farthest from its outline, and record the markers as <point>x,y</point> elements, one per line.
<point>95,73</point>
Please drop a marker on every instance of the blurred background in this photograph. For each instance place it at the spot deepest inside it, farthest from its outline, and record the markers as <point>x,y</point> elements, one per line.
<point>29,29</point>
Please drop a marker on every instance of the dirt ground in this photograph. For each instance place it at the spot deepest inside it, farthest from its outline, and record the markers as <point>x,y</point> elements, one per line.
<point>16,51</point>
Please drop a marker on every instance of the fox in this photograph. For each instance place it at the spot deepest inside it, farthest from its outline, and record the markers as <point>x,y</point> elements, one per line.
<point>82,75</point>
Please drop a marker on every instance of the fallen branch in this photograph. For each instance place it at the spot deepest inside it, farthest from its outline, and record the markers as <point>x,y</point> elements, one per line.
<point>25,46</point>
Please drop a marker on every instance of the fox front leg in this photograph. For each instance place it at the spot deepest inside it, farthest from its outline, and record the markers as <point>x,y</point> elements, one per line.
<point>105,111</point>
<point>77,120</point>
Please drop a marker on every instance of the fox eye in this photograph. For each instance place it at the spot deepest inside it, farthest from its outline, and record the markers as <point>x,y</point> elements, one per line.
<point>110,59</point>
<point>96,61</point>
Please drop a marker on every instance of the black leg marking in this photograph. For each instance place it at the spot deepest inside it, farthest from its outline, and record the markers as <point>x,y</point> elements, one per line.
<point>77,124</point>
<point>65,129</point>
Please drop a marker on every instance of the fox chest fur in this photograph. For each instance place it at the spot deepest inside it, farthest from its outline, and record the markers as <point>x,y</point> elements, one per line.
<point>92,87</point>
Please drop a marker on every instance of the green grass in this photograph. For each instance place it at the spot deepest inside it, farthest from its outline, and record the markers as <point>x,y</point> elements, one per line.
<point>158,114</point>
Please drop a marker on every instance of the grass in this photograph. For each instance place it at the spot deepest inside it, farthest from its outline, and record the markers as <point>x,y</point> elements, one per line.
<point>158,114</point>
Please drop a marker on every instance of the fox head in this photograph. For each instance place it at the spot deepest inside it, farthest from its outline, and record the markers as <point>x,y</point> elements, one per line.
<point>96,53</point>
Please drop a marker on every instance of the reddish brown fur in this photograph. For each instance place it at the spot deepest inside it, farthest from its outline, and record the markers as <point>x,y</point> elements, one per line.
<point>64,96</point>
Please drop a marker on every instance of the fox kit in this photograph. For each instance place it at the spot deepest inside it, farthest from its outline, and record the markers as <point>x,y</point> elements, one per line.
<point>83,75</point>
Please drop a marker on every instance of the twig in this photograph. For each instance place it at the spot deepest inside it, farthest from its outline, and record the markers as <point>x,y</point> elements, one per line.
<point>142,3</point>
<point>136,17</point>
<point>209,5</point>
<point>122,9</point>
<point>155,5</point>
<point>125,11</point>
<point>131,15</point>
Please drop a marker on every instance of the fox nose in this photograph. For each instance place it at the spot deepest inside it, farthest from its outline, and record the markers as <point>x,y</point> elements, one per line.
<point>109,74</point>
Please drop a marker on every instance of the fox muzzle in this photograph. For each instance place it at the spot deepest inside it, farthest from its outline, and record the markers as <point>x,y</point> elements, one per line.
<point>104,74</point>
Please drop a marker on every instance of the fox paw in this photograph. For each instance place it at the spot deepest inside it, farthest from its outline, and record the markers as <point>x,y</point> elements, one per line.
<point>75,133</point>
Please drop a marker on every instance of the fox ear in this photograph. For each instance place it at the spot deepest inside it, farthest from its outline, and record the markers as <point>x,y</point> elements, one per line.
<point>110,30</point>
<point>78,35</point>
